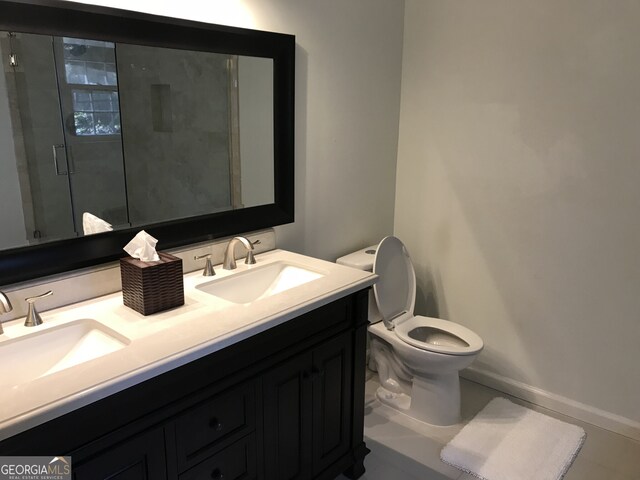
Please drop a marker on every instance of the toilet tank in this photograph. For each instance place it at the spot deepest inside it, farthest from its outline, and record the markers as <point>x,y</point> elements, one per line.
<point>363,260</point>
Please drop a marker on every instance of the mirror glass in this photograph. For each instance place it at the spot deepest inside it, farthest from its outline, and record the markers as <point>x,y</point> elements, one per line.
<point>114,121</point>
<point>98,136</point>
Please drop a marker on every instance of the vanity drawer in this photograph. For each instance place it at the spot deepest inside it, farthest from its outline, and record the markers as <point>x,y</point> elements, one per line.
<point>237,461</point>
<point>214,423</point>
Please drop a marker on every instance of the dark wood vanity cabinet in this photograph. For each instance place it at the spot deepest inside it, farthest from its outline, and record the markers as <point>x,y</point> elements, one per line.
<point>285,404</point>
<point>307,411</point>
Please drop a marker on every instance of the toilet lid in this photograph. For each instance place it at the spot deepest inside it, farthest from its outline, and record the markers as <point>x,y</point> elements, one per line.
<point>395,291</point>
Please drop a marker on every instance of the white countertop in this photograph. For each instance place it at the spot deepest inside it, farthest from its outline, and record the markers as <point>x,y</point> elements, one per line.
<point>162,341</point>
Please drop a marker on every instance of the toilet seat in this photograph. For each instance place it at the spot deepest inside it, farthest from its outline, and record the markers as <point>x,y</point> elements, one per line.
<point>395,295</point>
<point>438,335</point>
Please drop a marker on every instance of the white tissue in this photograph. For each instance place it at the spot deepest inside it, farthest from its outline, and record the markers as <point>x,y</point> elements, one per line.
<point>143,246</point>
<point>92,224</point>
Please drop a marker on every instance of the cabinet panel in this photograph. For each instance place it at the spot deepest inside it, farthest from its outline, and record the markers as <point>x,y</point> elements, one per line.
<point>332,384</point>
<point>287,420</point>
<point>238,461</point>
<point>308,411</point>
<point>140,458</point>
<point>225,417</point>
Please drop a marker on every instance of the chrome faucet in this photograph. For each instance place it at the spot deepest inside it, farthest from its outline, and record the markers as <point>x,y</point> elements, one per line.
<point>229,255</point>
<point>33,317</point>
<point>5,307</point>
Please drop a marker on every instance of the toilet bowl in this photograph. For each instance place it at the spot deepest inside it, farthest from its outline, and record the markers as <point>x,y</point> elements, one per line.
<point>417,358</point>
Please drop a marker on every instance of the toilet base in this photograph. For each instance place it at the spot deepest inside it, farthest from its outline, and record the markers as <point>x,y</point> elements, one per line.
<point>397,401</point>
<point>434,399</point>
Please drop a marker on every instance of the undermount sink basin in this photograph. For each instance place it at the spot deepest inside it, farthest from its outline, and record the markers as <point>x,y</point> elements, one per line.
<point>260,282</point>
<point>51,350</point>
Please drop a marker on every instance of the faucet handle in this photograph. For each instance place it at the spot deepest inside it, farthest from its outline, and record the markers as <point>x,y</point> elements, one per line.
<point>31,300</point>
<point>250,260</point>
<point>33,317</point>
<point>208,267</point>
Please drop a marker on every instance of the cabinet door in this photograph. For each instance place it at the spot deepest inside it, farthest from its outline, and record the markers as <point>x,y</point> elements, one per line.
<point>140,458</point>
<point>287,420</point>
<point>331,374</point>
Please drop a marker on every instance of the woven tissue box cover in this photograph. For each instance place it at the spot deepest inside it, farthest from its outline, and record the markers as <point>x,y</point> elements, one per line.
<point>150,287</point>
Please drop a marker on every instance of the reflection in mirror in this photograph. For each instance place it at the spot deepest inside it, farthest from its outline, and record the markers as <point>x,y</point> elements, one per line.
<point>97,135</point>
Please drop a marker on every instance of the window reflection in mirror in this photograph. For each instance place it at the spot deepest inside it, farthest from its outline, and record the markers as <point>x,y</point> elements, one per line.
<point>131,135</point>
<point>90,78</point>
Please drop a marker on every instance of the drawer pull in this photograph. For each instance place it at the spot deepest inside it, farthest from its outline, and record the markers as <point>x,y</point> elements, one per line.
<point>217,474</point>
<point>215,424</point>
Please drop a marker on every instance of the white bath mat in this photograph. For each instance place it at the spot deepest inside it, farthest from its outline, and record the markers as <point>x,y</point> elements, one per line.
<point>508,442</point>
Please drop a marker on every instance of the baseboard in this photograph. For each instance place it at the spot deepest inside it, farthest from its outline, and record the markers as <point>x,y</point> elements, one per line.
<point>586,413</point>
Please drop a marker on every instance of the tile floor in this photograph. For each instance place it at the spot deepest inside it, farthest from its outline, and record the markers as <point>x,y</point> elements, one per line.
<point>403,449</point>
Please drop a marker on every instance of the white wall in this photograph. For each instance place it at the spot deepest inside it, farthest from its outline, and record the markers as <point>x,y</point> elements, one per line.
<point>13,233</point>
<point>255,112</point>
<point>348,67</point>
<point>518,187</point>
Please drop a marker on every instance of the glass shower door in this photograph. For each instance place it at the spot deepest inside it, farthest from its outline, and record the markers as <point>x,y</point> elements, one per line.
<point>39,138</point>
<point>88,91</point>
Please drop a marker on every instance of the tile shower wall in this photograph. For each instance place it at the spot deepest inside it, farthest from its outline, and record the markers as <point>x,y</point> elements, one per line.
<point>174,107</point>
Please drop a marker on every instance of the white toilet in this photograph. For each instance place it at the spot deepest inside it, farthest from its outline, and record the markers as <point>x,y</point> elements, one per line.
<point>417,358</point>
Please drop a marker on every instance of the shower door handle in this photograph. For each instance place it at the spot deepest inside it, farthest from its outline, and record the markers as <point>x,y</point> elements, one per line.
<point>55,148</point>
<point>71,162</point>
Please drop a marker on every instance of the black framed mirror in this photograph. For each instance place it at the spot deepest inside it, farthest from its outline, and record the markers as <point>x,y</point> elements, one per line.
<point>114,121</point>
